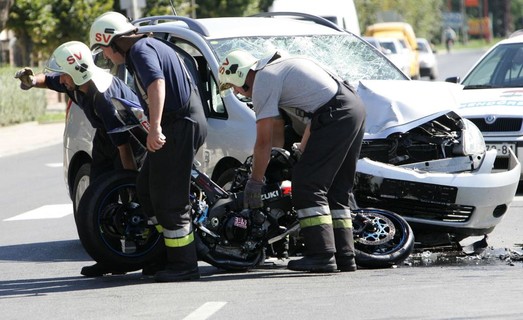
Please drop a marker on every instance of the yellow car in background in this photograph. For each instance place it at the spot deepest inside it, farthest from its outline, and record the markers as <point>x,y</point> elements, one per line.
<point>405,34</point>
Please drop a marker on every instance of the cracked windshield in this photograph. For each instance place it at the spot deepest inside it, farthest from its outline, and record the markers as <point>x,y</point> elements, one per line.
<point>345,55</point>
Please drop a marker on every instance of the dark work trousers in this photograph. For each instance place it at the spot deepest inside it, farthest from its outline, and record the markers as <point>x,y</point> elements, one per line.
<point>105,155</point>
<point>323,178</point>
<point>164,181</point>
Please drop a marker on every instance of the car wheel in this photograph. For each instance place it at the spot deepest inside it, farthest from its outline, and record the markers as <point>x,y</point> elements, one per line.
<point>433,74</point>
<point>225,179</point>
<point>81,182</point>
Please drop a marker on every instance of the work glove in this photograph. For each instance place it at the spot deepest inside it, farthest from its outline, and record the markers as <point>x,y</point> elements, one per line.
<point>26,76</point>
<point>296,151</point>
<point>252,194</point>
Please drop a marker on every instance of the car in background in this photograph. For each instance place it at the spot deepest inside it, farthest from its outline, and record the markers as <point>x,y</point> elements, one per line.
<point>396,53</point>
<point>405,34</point>
<point>375,43</point>
<point>492,98</point>
<point>428,65</point>
<point>419,157</point>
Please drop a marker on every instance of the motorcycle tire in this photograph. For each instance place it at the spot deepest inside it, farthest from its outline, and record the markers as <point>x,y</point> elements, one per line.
<point>387,242</point>
<point>113,228</point>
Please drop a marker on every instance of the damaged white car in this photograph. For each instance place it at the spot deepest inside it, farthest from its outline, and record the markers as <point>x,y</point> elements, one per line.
<point>422,160</point>
<point>419,158</point>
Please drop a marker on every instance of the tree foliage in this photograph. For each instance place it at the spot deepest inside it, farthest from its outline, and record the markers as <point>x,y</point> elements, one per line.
<point>4,11</point>
<point>230,8</point>
<point>424,16</point>
<point>41,25</point>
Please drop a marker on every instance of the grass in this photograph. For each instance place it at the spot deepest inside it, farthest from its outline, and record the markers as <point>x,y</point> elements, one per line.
<point>471,44</point>
<point>50,117</point>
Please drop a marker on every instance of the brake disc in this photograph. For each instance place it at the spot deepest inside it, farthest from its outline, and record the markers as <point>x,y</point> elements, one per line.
<point>384,230</point>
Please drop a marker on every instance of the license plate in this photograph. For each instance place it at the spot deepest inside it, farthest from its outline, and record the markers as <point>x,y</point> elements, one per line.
<point>502,148</point>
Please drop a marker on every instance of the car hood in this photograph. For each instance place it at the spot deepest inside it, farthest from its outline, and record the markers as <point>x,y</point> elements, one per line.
<point>482,102</point>
<point>400,105</point>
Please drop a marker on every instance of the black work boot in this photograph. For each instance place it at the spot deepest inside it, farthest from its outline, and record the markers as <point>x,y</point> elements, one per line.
<point>345,249</point>
<point>346,263</point>
<point>314,263</point>
<point>99,269</point>
<point>173,274</point>
<point>182,265</point>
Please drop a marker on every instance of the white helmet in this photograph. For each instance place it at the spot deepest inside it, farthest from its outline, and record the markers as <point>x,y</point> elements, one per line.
<point>234,68</point>
<point>107,27</point>
<point>75,59</point>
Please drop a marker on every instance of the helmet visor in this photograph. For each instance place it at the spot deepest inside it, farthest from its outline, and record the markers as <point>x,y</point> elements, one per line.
<point>225,86</point>
<point>52,65</point>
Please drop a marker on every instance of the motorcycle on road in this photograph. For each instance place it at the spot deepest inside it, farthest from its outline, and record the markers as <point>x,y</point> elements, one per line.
<point>113,227</point>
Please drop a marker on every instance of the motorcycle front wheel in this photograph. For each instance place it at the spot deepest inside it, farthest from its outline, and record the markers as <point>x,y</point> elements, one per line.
<point>112,226</point>
<point>381,238</point>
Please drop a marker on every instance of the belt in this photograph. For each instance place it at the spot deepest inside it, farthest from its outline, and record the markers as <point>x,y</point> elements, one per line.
<point>172,116</point>
<point>330,106</point>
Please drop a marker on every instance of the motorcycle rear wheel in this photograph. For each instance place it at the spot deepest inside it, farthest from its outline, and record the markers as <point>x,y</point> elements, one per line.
<point>112,226</point>
<point>388,242</point>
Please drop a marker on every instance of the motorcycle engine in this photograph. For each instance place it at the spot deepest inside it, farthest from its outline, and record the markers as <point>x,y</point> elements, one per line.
<point>248,224</point>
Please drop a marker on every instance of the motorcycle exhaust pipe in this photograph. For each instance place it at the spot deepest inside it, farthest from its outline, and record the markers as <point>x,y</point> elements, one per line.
<point>205,255</point>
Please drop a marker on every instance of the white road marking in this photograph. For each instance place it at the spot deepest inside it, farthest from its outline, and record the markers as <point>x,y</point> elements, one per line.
<point>206,310</point>
<point>45,212</point>
<point>54,165</point>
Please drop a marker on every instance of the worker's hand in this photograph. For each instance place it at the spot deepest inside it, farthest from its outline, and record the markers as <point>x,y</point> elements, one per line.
<point>296,150</point>
<point>155,139</point>
<point>27,78</point>
<point>252,194</point>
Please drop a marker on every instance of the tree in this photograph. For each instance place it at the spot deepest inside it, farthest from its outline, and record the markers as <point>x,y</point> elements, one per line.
<point>4,12</point>
<point>424,16</point>
<point>41,25</point>
<point>230,8</point>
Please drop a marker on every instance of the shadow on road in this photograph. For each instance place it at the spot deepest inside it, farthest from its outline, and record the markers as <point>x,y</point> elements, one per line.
<point>67,250</point>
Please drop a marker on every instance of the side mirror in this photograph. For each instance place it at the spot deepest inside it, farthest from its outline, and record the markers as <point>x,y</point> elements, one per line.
<point>453,80</point>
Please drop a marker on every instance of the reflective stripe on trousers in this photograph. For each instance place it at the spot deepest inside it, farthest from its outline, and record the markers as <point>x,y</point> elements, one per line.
<point>179,237</point>
<point>341,219</point>
<point>310,217</point>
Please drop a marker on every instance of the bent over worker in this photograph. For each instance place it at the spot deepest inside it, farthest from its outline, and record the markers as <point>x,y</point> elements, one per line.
<point>74,72</point>
<point>323,178</point>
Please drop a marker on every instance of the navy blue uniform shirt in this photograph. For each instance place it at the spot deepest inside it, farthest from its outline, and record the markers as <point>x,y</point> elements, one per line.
<point>151,59</point>
<point>97,106</point>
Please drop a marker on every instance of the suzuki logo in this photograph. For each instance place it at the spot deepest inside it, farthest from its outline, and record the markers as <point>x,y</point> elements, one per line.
<point>270,195</point>
<point>490,119</point>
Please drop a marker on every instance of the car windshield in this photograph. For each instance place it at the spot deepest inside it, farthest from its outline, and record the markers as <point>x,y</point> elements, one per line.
<point>501,68</point>
<point>389,45</point>
<point>423,47</point>
<point>348,56</point>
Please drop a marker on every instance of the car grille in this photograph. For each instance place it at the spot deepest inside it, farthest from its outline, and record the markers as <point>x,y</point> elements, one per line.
<point>415,209</point>
<point>411,199</point>
<point>501,163</point>
<point>500,125</point>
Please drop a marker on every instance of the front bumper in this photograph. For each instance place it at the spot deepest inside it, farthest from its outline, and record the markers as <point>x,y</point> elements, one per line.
<point>465,203</point>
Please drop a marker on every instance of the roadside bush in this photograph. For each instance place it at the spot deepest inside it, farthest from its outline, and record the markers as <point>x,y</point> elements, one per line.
<point>16,105</point>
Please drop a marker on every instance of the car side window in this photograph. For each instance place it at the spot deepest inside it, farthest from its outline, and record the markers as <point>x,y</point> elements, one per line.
<point>207,85</point>
<point>218,108</point>
<point>514,75</point>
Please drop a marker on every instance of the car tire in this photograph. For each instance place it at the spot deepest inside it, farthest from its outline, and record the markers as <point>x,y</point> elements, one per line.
<point>81,182</point>
<point>433,74</point>
<point>225,179</point>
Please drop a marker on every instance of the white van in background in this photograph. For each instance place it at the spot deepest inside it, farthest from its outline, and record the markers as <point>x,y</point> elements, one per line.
<point>341,12</point>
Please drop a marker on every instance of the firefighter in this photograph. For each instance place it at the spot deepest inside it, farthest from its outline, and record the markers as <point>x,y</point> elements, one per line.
<point>74,72</point>
<point>177,129</point>
<point>333,117</point>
